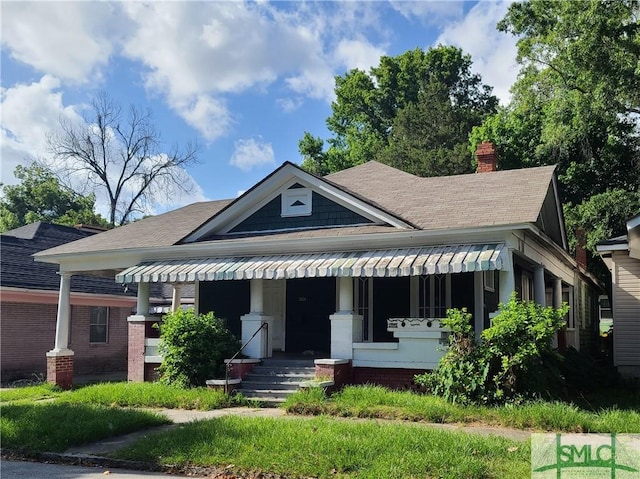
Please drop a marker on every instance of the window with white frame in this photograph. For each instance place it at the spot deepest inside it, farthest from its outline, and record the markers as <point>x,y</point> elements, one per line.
<point>490,280</point>
<point>98,324</point>
<point>363,301</point>
<point>434,296</point>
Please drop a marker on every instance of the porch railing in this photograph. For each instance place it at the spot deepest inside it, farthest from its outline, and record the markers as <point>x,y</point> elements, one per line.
<point>264,326</point>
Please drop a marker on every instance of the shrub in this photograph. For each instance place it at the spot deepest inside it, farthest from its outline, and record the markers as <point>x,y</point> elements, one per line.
<point>193,347</point>
<point>513,360</point>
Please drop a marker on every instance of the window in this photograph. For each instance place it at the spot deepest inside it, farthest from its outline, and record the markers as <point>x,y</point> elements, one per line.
<point>363,306</point>
<point>98,324</point>
<point>434,296</point>
<point>490,281</point>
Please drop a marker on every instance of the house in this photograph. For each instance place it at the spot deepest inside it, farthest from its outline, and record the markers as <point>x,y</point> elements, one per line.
<point>355,268</point>
<point>622,257</point>
<point>98,307</point>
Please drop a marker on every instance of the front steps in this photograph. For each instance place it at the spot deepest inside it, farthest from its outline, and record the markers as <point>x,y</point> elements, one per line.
<point>274,380</point>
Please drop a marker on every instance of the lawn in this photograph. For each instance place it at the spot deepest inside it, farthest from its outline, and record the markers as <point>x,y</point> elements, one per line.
<point>54,427</point>
<point>378,402</point>
<point>326,447</point>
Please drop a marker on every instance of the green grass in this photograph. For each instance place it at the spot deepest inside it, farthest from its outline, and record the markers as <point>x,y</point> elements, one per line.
<point>54,427</point>
<point>378,402</point>
<point>153,395</point>
<point>325,447</point>
<point>33,393</point>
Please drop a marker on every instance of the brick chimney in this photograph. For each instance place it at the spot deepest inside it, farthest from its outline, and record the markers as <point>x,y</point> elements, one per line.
<point>487,157</point>
<point>581,250</point>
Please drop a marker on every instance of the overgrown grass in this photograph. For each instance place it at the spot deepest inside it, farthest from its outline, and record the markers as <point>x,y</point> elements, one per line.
<point>378,402</point>
<point>54,427</point>
<point>33,393</point>
<point>154,395</point>
<point>324,447</point>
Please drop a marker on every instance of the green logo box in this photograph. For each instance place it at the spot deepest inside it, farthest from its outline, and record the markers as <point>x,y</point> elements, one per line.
<point>565,456</point>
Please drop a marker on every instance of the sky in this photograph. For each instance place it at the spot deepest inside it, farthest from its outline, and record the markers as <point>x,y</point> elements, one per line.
<point>243,79</point>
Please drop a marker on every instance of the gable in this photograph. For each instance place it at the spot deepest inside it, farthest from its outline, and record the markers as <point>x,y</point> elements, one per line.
<point>292,199</point>
<point>323,212</point>
<point>550,219</point>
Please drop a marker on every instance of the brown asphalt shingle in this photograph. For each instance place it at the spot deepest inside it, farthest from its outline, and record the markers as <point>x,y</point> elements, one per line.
<point>462,201</point>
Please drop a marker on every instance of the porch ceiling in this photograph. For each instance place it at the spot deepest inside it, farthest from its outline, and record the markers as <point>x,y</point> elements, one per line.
<point>369,263</point>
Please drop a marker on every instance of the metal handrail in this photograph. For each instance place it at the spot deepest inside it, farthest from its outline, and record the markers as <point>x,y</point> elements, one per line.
<point>228,366</point>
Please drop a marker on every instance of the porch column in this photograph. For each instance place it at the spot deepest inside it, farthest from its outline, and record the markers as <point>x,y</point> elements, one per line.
<point>60,358</point>
<point>478,303</point>
<point>538,286</point>
<point>261,344</point>
<point>196,296</point>
<point>142,303</point>
<point>177,297</point>
<point>346,326</point>
<point>507,278</point>
<point>136,337</point>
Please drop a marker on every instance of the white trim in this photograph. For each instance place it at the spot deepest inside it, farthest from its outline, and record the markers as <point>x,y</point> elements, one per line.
<point>290,196</point>
<point>389,346</point>
<point>270,187</point>
<point>633,222</point>
<point>613,247</point>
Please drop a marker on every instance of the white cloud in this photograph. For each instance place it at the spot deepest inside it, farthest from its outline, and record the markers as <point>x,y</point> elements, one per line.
<point>30,113</point>
<point>493,52</point>
<point>252,152</point>
<point>289,104</point>
<point>358,54</point>
<point>428,12</point>
<point>70,40</point>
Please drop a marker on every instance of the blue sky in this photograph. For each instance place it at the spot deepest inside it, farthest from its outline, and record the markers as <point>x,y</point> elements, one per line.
<point>244,79</point>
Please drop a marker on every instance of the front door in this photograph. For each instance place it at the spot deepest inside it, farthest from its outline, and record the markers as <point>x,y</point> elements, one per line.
<point>310,302</point>
<point>274,298</point>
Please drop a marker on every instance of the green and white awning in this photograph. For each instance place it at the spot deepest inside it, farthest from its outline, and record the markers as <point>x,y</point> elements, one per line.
<point>368,264</point>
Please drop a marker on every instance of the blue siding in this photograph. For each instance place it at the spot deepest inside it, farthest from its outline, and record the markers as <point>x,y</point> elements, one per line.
<point>324,212</point>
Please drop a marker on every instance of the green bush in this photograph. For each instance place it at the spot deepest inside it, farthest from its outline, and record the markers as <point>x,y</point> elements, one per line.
<point>194,347</point>
<point>513,360</point>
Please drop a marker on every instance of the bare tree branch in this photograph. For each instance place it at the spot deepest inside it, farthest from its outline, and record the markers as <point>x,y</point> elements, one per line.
<point>123,156</point>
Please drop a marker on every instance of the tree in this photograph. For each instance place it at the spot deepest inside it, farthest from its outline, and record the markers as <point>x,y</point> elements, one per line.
<point>576,104</point>
<point>121,155</point>
<point>40,197</point>
<point>380,114</point>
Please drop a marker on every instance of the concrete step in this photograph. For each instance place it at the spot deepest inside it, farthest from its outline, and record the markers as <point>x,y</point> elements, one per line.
<point>285,385</point>
<point>267,393</point>
<point>276,363</point>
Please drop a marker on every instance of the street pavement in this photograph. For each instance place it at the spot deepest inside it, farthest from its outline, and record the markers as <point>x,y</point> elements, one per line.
<point>10,469</point>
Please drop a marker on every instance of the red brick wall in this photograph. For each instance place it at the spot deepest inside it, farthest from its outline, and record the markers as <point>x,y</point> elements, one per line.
<point>136,367</point>
<point>60,371</point>
<point>27,332</point>
<point>392,378</point>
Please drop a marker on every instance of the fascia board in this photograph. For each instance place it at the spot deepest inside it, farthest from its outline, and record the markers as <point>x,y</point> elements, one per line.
<point>633,222</point>
<point>556,194</point>
<point>612,247</point>
<point>282,178</point>
<point>121,259</point>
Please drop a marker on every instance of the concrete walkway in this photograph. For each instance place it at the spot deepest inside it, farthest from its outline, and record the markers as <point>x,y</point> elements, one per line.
<point>81,462</point>
<point>181,416</point>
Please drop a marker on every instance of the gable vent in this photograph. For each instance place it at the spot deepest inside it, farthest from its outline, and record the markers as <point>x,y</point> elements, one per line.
<point>296,202</point>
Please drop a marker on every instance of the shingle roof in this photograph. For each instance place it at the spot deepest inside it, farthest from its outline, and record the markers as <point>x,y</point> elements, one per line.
<point>462,201</point>
<point>19,270</point>
<point>162,230</point>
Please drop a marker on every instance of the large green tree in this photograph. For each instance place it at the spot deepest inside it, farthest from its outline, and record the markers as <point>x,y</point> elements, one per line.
<point>40,197</point>
<point>576,104</point>
<point>389,114</point>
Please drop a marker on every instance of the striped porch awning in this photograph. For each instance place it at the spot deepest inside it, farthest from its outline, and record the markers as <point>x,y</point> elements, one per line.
<point>370,264</point>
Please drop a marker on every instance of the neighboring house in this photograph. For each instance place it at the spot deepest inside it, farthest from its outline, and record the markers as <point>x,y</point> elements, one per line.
<point>99,307</point>
<point>622,256</point>
<point>355,268</point>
